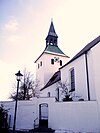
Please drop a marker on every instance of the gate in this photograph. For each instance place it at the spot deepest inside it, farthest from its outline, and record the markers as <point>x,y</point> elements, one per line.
<point>43,115</point>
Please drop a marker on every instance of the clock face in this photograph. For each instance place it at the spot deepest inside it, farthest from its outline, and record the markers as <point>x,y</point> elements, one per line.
<point>56,59</point>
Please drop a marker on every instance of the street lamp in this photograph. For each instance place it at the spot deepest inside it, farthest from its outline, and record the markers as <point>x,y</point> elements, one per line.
<point>18,78</point>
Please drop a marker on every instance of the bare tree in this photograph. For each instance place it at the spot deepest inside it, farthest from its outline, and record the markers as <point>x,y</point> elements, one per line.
<point>64,87</point>
<point>28,88</point>
<point>68,95</point>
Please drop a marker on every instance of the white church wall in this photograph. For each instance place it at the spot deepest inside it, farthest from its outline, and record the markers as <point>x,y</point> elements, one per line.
<point>40,71</point>
<point>91,75</point>
<point>46,71</point>
<point>80,76</point>
<point>50,69</point>
<point>79,66</point>
<point>96,68</point>
<point>74,116</point>
<point>51,89</point>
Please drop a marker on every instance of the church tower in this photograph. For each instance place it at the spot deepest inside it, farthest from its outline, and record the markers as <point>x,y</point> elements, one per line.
<point>51,59</point>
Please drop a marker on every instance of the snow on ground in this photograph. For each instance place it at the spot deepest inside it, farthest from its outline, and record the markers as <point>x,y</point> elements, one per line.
<point>67,131</point>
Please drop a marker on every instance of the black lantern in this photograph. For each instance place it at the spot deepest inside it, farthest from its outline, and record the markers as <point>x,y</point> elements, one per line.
<point>18,76</point>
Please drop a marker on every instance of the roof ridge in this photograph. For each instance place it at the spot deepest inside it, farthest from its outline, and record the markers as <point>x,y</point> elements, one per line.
<point>54,78</point>
<point>84,50</point>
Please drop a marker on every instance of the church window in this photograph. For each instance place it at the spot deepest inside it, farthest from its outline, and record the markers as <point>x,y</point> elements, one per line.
<point>51,43</point>
<point>72,76</point>
<point>41,63</point>
<point>52,61</point>
<point>48,94</point>
<point>60,62</point>
<point>58,94</point>
<point>38,66</point>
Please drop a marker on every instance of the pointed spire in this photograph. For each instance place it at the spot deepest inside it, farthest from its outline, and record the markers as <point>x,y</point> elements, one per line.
<point>51,38</point>
<point>52,30</point>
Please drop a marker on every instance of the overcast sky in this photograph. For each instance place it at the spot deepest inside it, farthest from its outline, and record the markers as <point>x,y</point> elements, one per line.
<point>24,25</point>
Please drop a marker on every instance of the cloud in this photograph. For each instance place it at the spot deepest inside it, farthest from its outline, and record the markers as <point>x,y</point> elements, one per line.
<point>12,25</point>
<point>11,31</point>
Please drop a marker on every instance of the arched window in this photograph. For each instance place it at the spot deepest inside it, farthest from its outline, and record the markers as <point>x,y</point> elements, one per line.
<point>38,66</point>
<point>48,94</point>
<point>60,62</point>
<point>52,61</point>
<point>41,63</point>
<point>58,94</point>
<point>72,79</point>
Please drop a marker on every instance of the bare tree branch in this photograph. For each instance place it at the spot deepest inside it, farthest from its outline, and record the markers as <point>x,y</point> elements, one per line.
<point>63,86</point>
<point>28,88</point>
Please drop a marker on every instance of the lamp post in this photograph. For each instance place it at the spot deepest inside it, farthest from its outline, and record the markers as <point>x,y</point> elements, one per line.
<point>18,78</point>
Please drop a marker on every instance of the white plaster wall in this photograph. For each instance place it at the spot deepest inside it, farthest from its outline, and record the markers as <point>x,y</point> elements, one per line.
<point>51,89</point>
<point>75,116</point>
<point>50,69</point>
<point>80,76</point>
<point>96,68</point>
<point>26,113</point>
<point>91,75</point>
<point>49,100</point>
<point>40,71</point>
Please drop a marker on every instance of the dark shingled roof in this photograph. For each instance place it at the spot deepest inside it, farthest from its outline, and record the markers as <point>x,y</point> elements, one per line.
<point>84,50</point>
<point>52,30</point>
<point>56,77</point>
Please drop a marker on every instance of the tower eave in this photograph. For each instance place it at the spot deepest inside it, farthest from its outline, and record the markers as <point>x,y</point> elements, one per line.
<point>39,57</point>
<point>48,52</point>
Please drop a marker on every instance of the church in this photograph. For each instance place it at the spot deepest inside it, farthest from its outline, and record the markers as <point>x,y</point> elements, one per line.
<point>48,64</point>
<point>78,79</point>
